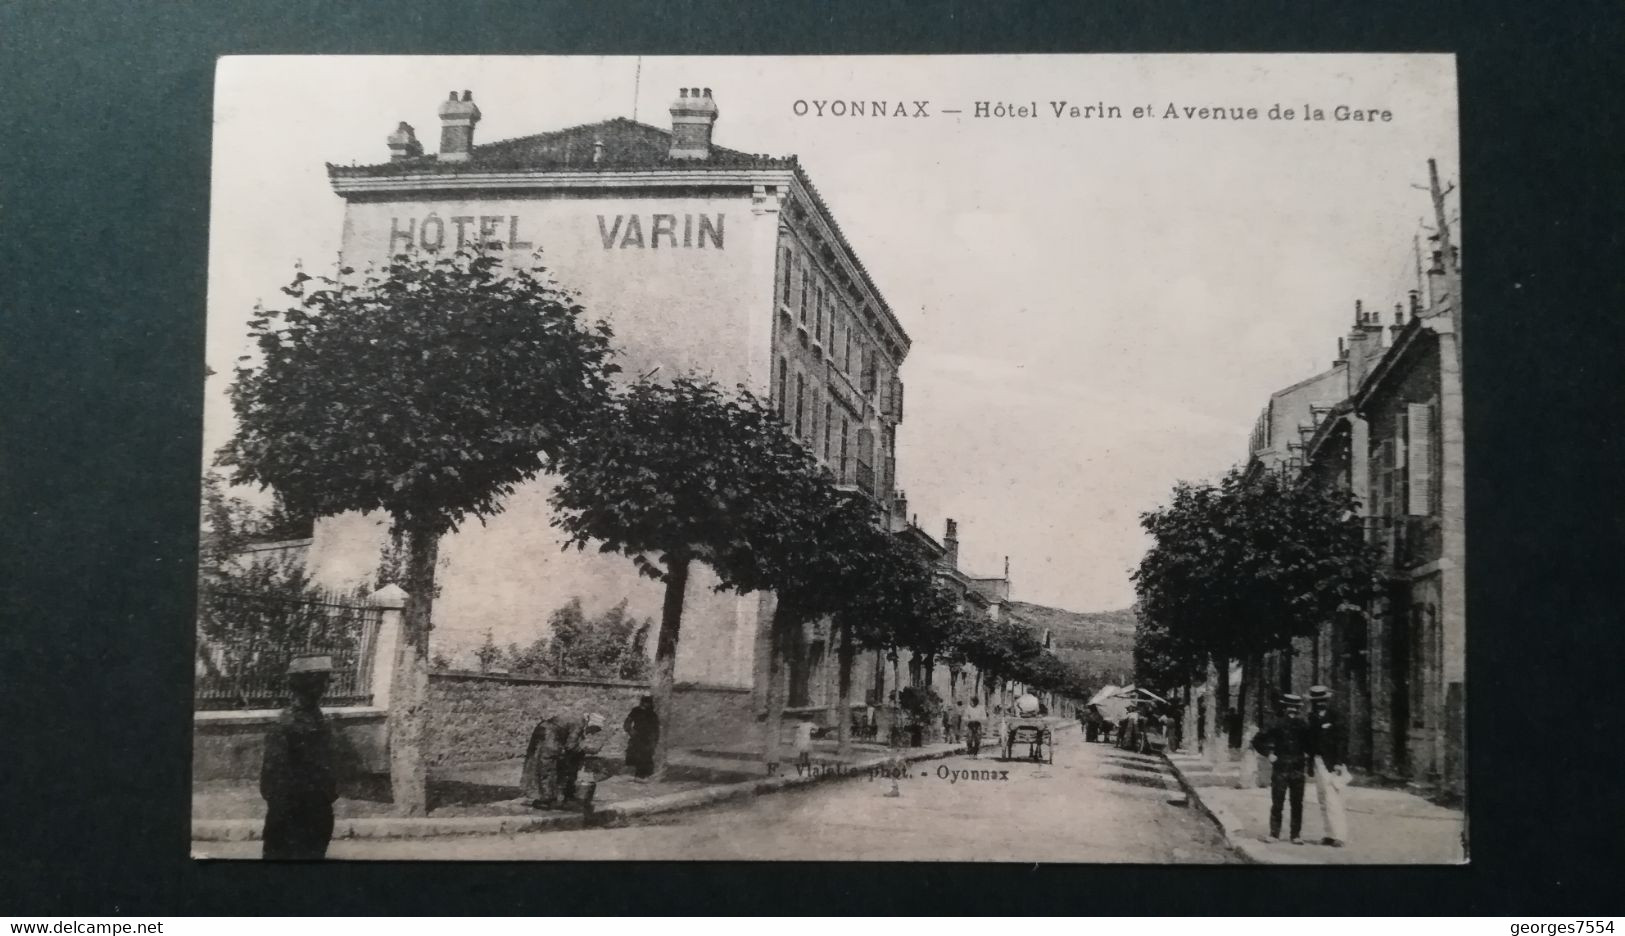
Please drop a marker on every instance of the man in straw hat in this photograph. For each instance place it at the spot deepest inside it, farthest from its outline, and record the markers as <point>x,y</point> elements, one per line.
<point>298,776</point>
<point>1327,743</point>
<point>1286,744</point>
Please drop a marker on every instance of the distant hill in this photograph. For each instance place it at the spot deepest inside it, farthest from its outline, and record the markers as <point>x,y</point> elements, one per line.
<point>1098,642</point>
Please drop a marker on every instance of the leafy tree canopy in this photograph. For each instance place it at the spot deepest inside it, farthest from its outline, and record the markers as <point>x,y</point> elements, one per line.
<point>429,390</point>
<point>1244,565</point>
<point>686,470</point>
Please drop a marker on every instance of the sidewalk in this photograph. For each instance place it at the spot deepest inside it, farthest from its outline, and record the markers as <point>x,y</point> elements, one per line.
<point>1385,826</point>
<point>483,799</point>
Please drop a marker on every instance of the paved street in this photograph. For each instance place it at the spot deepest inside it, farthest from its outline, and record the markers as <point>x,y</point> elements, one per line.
<point>1094,804</point>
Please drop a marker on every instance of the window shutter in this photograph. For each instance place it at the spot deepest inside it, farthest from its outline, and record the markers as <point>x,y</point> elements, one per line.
<point>1419,425</point>
<point>801,403</point>
<point>1397,495</point>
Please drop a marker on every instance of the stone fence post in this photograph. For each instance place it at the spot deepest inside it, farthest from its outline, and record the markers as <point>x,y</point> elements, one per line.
<point>390,600</point>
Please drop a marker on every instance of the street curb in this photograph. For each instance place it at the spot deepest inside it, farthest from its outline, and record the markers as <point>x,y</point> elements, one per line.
<point>619,814</point>
<point>1251,851</point>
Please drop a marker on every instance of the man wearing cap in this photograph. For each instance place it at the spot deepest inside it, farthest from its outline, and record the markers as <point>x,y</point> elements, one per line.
<point>1286,744</point>
<point>297,776</point>
<point>1327,746</point>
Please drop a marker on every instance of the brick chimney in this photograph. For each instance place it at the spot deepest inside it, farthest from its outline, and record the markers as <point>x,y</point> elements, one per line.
<point>1364,345</point>
<point>693,116</point>
<point>457,120</point>
<point>1399,322</point>
<point>403,143</point>
<point>950,540</point>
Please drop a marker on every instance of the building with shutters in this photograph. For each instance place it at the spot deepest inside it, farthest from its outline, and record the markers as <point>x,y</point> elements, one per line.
<point>703,259</point>
<point>1385,423</point>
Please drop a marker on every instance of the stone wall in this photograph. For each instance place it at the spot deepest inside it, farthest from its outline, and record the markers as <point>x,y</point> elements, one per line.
<point>713,717</point>
<point>230,745</point>
<point>477,717</point>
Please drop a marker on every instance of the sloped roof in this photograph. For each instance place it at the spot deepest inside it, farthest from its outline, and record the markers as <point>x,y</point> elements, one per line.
<point>628,145</point>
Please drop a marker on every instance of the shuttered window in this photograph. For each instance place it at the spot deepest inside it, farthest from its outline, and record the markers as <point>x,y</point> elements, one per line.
<point>803,306</point>
<point>801,402</point>
<point>829,420</point>
<point>846,430</point>
<point>789,272</point>
<point>784,386</point>
<point>1397,487</point>
<point>1420,471</point>
<point>1382,492</point>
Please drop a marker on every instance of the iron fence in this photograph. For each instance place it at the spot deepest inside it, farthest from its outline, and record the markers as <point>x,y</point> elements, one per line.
<point>246,639</point>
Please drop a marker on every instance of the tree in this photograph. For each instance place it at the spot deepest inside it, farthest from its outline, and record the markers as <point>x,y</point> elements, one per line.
<point>1163,660</point>
<point>427,391</point>
<point>681,473</point>
<point>1240,567</point>
<point>831,555</point>
<point>488,654</point>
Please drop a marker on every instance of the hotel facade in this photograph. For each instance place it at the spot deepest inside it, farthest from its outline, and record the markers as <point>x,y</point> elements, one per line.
<point>703,260</point>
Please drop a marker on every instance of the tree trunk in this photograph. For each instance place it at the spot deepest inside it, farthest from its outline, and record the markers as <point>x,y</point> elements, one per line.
<point>1252,694</point>
<point>671,623</point>
<point>1221,702</point>
<point>843,725</point>
<point>777,683</point>
<point>409,690</point>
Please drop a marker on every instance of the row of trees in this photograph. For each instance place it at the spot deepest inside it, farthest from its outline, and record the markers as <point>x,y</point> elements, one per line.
<point>612,645</point>
<point>431,388</point>
<point>1238,568</point>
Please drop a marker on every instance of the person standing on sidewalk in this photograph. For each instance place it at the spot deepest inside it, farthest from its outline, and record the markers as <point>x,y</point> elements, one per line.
<point>975,717</point>
<point>1286,744</point>
<point>1327,745</point>
<point>298,773</point>
<point>642,727</point>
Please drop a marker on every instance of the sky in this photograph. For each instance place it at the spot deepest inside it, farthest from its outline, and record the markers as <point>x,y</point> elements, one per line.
<point>1099,308</point>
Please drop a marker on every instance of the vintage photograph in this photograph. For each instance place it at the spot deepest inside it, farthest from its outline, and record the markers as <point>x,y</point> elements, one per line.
<point>562,499</point>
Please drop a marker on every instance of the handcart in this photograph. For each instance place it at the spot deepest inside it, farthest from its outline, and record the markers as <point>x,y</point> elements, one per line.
<point>1037,738</point>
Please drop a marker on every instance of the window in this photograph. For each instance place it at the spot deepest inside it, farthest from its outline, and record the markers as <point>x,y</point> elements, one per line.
<point>784,387</point>
<point>818,313</point>
<point>788,270</point>
<point>846,362</point>
<point>803,307</point>
<point>846,429</point>
<point>812,420</point>
<point>1424,620</point>
<point>801,401</point>
<point>829,419</point>
<point>1419,473</point>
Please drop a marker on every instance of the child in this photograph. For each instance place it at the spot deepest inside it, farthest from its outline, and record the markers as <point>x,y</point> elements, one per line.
<point>804,733</point>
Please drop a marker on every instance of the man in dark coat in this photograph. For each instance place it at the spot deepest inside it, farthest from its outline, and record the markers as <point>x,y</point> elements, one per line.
<point>1286,744</point>
<point>642,727</point>
<point>298,777</point>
